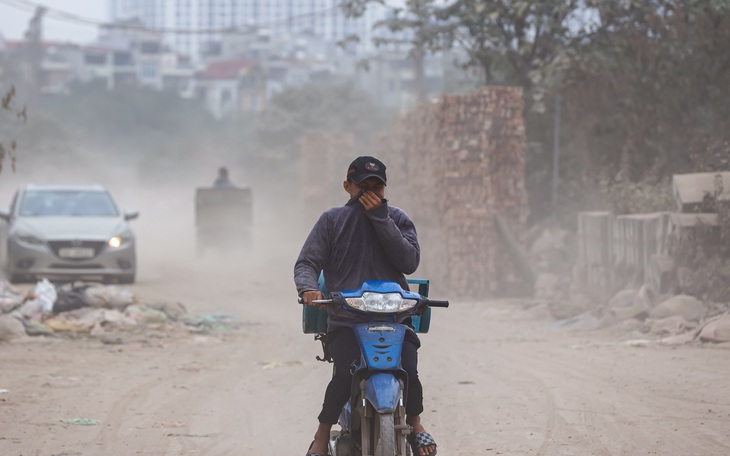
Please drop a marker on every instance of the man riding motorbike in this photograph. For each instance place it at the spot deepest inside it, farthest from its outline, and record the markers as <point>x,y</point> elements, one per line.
<point>366,239</point>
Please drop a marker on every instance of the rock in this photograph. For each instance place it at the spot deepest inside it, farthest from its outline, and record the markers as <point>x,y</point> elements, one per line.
<point>670,326</point>
<point>648,297</point>
<point>549,251</point>
<point>679,339</point>
<point>631,325</point>
<point>583,322</point>
<point>113,339</point>
<point>145,315</point>
<point>563,309</point>
<point>174,310</point>
<point>689,307</point>
<point>717,330</point>
<point>11,328</point>
<point>544,285</point>
<point>625,304</point>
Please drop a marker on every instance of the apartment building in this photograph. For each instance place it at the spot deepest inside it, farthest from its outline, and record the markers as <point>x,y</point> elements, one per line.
<point>195,25</point>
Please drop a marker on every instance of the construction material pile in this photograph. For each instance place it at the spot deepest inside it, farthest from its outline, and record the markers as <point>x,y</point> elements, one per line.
<point>460,163</point>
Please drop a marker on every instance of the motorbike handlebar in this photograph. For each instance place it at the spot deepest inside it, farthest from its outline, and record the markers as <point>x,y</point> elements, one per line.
<point>430,302</point>
<point>316,301</point>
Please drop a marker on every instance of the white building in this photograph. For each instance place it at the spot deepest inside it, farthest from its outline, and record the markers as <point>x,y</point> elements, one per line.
<point>193,25</point>
<point>150,12</point>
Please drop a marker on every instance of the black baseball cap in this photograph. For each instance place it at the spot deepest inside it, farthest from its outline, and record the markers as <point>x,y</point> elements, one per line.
<point>363,167</point>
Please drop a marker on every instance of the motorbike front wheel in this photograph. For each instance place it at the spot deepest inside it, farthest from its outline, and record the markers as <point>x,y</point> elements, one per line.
<point>385,435</point>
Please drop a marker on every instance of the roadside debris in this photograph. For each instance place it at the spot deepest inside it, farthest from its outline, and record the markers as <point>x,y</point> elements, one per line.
<point>671,320</point>
<point>94,310</point>
<point>81,421</point>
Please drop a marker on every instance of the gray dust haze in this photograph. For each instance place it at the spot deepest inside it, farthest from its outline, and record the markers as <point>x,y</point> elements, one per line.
<point>165,229</point>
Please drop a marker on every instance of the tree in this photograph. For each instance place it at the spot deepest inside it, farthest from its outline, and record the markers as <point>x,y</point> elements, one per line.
<point>650,88</point>
<point>413,26</point>
<point>317,108</point>
<point>9,146</point>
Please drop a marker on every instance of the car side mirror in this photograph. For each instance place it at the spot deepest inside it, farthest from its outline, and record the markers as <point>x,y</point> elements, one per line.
<point>131,215</point>
<point>5,215</point>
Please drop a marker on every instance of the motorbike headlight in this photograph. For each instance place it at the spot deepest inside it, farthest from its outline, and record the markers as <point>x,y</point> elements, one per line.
<point>29,239</point>
<point>381,302</point>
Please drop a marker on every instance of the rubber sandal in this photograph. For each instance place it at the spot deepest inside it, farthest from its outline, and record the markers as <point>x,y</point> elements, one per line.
<point>420,440</point>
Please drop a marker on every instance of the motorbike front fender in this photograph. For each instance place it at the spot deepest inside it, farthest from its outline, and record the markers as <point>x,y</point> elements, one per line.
<point>383,391</point>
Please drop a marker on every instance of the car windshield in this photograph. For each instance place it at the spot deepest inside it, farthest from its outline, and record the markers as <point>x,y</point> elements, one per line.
<point>67,203</point>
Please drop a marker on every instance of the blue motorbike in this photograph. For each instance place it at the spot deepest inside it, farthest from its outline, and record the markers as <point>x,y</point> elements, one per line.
<point>373,422</point>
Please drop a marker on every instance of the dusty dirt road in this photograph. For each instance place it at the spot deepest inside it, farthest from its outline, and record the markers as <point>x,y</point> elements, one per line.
<point>499,378</point>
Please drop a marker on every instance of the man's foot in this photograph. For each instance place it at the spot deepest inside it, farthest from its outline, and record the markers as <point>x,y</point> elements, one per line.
<point>320,444</point>
<point>422,443</point>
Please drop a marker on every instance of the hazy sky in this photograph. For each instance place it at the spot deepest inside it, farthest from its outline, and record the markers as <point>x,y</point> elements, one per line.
<point>14,19</point>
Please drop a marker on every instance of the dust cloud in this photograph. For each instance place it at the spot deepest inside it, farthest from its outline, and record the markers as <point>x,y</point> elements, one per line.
<point>165,198</point>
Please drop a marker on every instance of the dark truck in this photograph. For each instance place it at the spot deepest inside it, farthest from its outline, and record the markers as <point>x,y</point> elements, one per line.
<point>223,219</point>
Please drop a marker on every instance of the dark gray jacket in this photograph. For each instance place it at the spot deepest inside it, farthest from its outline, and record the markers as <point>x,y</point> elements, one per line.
<point>351,246</point>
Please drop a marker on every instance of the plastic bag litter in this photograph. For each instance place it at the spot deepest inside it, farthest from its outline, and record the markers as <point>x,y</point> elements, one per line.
<point>109,296</point>
<point>45,292</point>
<point>81,421</point>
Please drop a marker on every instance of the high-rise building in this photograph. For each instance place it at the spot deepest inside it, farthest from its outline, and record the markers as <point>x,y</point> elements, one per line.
<point>193,25</point>
<point>150,12</point>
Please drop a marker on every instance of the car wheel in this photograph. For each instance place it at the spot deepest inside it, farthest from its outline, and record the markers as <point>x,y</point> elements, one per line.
<point>15,278</point>
<point>127,278</point>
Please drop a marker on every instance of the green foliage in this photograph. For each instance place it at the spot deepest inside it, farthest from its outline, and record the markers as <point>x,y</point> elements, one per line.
<point>317,108</point>
<point>637,197</point>
<point>651,86</point>
<point>415,26</point>
<point>523,36</point>
<point>644,84</point>
<point>106,117</point>
<point>703,256</point>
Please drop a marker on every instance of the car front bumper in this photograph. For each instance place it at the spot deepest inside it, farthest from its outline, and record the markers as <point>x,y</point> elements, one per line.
<point>46,260</point>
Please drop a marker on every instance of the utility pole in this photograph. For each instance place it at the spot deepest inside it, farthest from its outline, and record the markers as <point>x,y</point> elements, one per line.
<point>419,52</point>
<point>556,154</point>
<point>34,51</point>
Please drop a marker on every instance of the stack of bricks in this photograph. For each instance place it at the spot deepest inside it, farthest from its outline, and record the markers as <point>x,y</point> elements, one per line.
<point>324,160</point>
<point>454,165</point>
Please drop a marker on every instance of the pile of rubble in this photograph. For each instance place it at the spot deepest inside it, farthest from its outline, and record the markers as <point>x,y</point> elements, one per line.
<point>669,320</point>
<point>84,309</point>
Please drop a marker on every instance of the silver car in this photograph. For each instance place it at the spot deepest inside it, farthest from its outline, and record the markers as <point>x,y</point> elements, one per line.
<point>67,232</point>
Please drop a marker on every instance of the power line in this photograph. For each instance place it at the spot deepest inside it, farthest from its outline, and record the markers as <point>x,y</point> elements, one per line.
<point>62,15</point>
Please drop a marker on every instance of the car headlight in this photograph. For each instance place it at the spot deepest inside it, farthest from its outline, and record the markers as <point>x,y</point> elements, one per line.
<point>29,239</point>
<point>381,302</point>
<point>118,241</point>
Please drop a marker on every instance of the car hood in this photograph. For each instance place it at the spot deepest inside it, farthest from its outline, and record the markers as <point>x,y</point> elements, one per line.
<point>73,227</point>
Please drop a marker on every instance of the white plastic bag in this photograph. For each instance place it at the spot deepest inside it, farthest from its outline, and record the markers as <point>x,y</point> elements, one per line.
<point>45,292</point>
